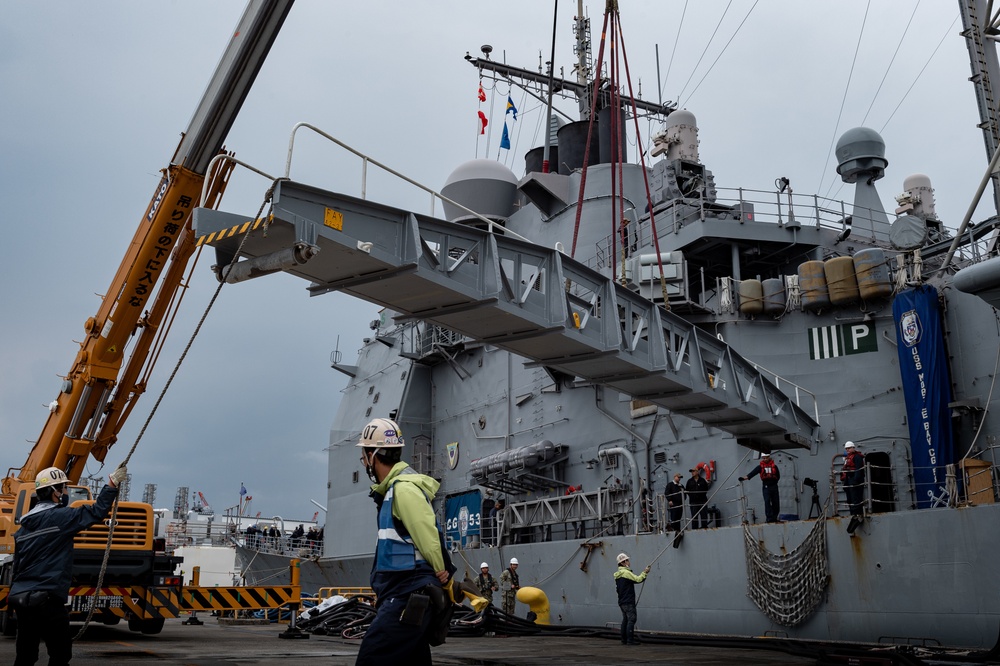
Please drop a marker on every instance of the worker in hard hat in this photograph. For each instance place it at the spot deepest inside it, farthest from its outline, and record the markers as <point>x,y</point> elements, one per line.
<point>486,582</point>
<point>625,581</point>
<point>769,476</point>
<point>43,563</point>
<point>853,477</point>
<point>411,564</point>
<point>510,583</point>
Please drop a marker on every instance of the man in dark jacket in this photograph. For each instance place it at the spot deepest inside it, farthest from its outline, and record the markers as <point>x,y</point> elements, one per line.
<point>43,564</point>
<point>625,582</point>
<point>697,492</point>
<point>769,475</point>
<point>675,503</point>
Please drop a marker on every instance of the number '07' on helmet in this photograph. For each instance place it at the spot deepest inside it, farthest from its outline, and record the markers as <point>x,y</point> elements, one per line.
<point>50,476</point>
<point>381,433</point>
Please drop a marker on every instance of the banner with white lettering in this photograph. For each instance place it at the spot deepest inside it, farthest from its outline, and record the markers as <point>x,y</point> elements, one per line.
<point>923,368</point>
<point>463,517</point>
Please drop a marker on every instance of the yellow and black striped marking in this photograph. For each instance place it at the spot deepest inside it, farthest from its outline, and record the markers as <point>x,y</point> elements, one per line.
<point>4,592</point>
<point>238,598</point>
<point>145,603</point>
<point>234,230</point>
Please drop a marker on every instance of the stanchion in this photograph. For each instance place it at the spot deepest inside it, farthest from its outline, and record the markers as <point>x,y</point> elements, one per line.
<point>293,607</point>
<point>195,582</point>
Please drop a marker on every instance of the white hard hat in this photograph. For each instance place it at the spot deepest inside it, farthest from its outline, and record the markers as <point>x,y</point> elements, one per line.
<point>513,560</point>
<point>848,445</point>
<point>381,433</point>
<point>622,557</point>
<point>484,566</point>
<point>50,476</point>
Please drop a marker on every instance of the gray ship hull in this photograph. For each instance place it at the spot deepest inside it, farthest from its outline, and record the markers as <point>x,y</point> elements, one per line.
<point>900,580</point>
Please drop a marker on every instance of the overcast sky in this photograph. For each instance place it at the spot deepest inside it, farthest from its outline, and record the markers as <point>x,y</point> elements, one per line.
<point>93,97</point>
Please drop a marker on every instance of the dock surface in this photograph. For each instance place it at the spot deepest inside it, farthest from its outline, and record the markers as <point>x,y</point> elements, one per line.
<point>211,645</point>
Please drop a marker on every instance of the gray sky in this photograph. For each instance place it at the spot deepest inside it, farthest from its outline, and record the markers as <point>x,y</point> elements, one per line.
<point>95,94</point>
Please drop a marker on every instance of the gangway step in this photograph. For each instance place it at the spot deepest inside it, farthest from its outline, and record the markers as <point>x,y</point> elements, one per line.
<point>533,301</point>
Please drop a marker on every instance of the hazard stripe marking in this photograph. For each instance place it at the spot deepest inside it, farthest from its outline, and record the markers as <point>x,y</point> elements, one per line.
<point>230,232</point>
<point>237,598</point>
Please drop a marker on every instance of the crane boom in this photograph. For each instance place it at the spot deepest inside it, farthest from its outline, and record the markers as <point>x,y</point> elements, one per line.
<point>102,385</point>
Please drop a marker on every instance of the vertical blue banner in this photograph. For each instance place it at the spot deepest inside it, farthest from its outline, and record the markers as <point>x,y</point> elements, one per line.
<point>923,368</point>
<point>463,517</point>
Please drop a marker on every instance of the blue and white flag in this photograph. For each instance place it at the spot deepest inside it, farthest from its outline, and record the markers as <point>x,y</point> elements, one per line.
<point>505,139</point>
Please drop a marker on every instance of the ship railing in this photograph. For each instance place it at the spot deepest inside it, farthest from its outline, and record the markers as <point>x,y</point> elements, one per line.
<point>715,516</point>
<point>805,209</point>
<point>741,204</point>
<point>197,533</point>
<point>423,340</point>
<point>489,224</point>
<point>574,516</point>
<point>281,545</point>
<point>970,482</point>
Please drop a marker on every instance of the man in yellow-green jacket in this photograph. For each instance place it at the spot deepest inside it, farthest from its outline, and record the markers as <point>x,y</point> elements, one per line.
<point>625,581</point>
<point>411,563</point>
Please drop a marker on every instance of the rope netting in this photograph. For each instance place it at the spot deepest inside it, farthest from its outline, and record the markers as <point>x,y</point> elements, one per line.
<point>788,587</point>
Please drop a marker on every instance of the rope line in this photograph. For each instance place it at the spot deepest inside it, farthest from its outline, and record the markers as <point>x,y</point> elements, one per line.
<point>114,507</point>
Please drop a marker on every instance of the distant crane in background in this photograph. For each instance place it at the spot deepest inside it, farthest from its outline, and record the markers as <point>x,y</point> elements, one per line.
<point>201,504</point>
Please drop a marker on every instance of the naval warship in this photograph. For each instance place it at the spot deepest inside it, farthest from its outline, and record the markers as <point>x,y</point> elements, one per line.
<point>570,338</point>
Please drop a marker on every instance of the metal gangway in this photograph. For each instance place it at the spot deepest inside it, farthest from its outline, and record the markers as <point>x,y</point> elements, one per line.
<point>533,301</point>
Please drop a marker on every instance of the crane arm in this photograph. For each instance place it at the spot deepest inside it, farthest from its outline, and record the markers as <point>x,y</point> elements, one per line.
<point>103,383</point>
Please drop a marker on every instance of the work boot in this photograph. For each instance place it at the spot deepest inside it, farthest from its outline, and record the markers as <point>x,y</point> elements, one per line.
<point>853,525</point>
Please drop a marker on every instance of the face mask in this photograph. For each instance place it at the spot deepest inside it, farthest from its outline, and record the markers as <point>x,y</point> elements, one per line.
<point>369,468</point>
<point>64,500</point>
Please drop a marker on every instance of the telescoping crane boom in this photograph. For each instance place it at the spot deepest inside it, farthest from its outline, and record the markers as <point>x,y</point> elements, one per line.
<point>120,347</point>
<point>103,384</point>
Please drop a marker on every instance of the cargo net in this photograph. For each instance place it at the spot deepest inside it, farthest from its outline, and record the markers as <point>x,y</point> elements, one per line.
<point>787,588</point>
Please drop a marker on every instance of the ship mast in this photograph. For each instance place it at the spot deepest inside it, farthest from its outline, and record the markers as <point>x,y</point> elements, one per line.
<point>980,31</point>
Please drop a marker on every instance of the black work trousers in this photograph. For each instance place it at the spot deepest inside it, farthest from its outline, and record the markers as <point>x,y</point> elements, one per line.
<point>48,622</point>
<point>772,501</point>
<point>389,641</point>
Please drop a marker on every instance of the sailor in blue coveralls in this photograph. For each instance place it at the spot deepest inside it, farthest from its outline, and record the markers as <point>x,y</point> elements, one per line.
<point>411,564</point>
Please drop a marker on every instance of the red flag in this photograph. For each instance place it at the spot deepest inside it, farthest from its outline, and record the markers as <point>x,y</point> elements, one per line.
<point>482,123</point>
<point>482,93</point>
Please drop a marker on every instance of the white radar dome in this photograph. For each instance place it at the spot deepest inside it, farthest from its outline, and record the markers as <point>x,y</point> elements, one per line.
<point>485,186</point>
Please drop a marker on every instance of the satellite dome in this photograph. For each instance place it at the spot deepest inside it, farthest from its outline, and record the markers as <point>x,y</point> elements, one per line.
<point>861,150</point>
<point>485,186</point>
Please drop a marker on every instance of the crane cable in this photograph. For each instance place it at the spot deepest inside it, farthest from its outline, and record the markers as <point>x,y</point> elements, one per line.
<point>222,281</point>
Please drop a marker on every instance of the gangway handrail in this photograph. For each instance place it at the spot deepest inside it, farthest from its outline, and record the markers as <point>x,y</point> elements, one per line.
<point>777,380</point>
<point>364,177</point>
